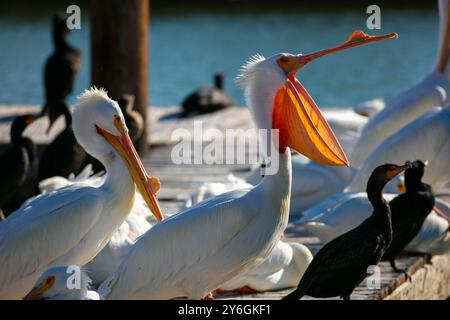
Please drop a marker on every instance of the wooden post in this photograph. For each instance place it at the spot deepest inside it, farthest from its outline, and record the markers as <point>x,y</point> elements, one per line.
<point>119,51</point>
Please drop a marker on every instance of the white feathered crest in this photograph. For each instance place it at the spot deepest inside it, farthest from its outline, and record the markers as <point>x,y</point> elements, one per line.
<point>248,70</point>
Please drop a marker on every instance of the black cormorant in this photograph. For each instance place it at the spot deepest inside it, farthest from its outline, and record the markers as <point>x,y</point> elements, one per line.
<point>133,119</point>
<point>409,211</point>
<point>342,263</point>
<point>207,99</point>
<point>62,67</point>
<point>15,163</point>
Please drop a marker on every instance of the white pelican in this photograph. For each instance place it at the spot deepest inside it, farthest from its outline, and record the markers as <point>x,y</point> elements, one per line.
<point>194,252</point>
<point>56,284</point>
<point>135,224</point>
<point>283,268</point>
<point>73,224</point>
<point>433,91</point>
<point>346,210</point>
<point>426,138</point>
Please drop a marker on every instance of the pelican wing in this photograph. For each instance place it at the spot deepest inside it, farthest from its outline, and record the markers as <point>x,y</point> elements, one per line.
<point>45,230</point>
<point>188,247</point>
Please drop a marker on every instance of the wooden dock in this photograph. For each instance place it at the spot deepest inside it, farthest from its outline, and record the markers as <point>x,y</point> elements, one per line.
<point>429,280</point>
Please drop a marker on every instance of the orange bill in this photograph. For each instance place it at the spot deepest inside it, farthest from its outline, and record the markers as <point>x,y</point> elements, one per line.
<point>37,292</point>
<point>147,186</point>
<point>357,38</point>
<point>301,124</point>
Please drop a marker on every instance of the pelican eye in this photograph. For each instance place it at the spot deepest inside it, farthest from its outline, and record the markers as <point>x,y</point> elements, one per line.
<point>119,124</point>
<point>49,282</point>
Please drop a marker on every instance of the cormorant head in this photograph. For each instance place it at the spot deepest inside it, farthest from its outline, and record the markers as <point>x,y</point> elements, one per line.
<point>19,125</point>
<point>56,110</point>
<point>381,175</point>
<point>126,103</point>
<point>60,30</point>
<point>218,80</point>
<point>413,175</point>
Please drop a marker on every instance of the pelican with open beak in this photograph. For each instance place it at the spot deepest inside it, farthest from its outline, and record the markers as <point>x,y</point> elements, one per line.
<point>194,252</point>
<point>73,224</point>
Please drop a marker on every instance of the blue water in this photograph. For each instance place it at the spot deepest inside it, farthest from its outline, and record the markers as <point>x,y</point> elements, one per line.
<point>189,43</point>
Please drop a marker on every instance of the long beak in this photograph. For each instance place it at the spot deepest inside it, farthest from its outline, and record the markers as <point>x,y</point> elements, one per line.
<point>37,292</point>
<point>399,169</point>
<point>148,186</point>
<point>357,38</point>
<point>31,118</point>
<point>301,124</point>
<point>34,294</point>
<point>52,121</point>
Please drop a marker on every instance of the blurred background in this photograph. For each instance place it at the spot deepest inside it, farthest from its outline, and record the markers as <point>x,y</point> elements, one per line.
<point>192,40</point>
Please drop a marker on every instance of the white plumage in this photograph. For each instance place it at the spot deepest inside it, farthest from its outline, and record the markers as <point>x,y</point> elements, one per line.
<point>284,266</point>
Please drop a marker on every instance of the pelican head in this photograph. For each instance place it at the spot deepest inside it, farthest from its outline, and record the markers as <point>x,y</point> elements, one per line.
<point>279,101</point>
<point>100,128</point>
<point>60,283</point>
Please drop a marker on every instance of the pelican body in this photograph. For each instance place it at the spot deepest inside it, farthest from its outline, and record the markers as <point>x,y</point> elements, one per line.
<point>285,264</point>
<point>73,224</point>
